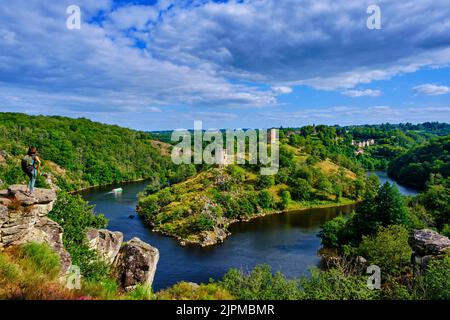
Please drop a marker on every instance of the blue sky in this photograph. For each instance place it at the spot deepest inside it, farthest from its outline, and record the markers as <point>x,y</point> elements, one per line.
<point>156,65</point>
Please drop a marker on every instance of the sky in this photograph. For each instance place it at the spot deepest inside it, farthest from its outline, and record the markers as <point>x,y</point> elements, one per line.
<point>161,64</point>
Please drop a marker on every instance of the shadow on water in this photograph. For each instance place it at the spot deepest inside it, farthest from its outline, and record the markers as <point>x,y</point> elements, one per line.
<point>288,242</point>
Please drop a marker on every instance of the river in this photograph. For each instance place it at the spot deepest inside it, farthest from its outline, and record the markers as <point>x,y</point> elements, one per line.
<point>382,175</point>
<point>287,242</point>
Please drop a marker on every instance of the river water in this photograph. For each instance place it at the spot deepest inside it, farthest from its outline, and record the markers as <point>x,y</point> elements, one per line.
<point>287,242</point>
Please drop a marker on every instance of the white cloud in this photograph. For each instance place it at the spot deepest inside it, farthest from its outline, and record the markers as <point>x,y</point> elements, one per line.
<point>362,93</point>
<point>207,54</point>
<point>431,89</point>
<point>324,44</point>
<point>282,90</point>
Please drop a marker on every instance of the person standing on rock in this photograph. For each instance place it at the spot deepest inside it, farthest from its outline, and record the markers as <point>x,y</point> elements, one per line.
<point>30,165</point>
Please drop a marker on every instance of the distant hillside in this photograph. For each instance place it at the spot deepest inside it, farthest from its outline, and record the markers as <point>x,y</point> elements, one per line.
<point>414,167</point>
<point>78,153</point>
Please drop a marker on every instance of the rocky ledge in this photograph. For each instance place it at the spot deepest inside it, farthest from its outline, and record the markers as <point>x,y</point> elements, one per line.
<point>23,219</point>
<point>427,244</point>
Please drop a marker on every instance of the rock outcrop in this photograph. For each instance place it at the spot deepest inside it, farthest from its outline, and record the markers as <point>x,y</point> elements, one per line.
<point>106,243</point>
<point>209,238</point>
<point>135,264</point>
<point>23,219</point>
<point>427,244</point>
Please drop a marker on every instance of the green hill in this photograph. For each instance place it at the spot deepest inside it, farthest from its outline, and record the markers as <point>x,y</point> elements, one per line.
<point>414,167</point>
<point>78,153</point>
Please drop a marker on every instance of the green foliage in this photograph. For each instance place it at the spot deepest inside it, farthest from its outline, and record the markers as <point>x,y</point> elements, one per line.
<point>436,199</point>
<point>41,257</point>
<point>75,216</point>
<point>333,232</point>
<point>446,231</point>
<point>265,181</point>
<point>261,284</point>
<point>8,271</point>
<point>265,199</point>
<point>435,283</point>
<point>333,284</point>
<point>300,189</point>
<point>382,209</point>
<point>285,199</point>
<point>141,292</point>
<point>388,249</point>
<point>192,291</point>
<point>415,167</point>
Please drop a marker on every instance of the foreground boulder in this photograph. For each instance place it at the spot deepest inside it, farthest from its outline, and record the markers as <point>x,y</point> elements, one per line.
<point>135,264</point>
<point>427,244</point>
<point>106,243</point>
<point>24,219</point>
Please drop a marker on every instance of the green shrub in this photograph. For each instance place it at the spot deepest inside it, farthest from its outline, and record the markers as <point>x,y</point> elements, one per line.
<point>285,199</point>
<point>260,284</point>
<point>435,283</point>
<point>265,199</point>
<point>265,181</point>
<point>332,233</point>
<point>333,284</point>
<point>75,215</point>
<point>388,249</point>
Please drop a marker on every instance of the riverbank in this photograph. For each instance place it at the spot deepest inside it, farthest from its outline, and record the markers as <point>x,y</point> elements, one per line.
<point>219,234</point>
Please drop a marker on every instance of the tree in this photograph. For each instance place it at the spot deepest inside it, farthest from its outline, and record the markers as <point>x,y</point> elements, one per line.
<point>300,189</point>
<point>285,199</point>
<point>391,208</point>
<point>332,233</point>
<point>388,249</point>
<point>265,199</point>
<point>265,181</point>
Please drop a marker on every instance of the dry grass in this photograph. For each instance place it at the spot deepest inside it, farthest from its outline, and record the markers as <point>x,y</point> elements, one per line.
<point>330,168</point>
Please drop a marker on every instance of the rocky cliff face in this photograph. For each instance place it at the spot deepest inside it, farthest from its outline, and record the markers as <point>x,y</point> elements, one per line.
<point>133,262</point>
<point>24,219</point>
<point>106,243</point>
<point>427,244</point>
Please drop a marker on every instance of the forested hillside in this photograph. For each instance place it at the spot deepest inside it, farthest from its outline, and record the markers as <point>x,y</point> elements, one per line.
<point>415,167</point>
<point>78,153</point>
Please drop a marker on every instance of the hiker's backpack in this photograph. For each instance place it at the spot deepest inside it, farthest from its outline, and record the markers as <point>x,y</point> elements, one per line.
<point>27,165</point>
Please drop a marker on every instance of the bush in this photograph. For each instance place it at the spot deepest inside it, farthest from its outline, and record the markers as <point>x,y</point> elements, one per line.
<point>285,199</point>
<point>149,205</point>
<point>333,284</point>
<point>435,283</point>
<point>75,215</point>
<point>265,181</point>
<point>260,284</point>
<point>388,249</point>
<point>265,199</point>
<point>300,189</point>
<point>332,233</point>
